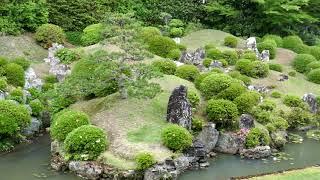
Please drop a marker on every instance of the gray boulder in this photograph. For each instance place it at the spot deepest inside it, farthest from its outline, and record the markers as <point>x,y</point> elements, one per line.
<point>216,64</point>
<point>86,169</point>
<point>311,99</point>
<point>265,55</point>
<point>194,58</point>
<point>33,128</point>
<point>229,143</point>
<point>179,108</point>
<point>246,121</point>
<point>257,152</point>
<point>2,95</point>
<point>209,136</point>
<point>279,138</point>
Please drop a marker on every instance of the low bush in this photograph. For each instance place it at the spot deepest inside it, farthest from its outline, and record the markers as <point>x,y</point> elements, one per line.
<point>3,61</point>
<point>176,138</point>
<point>17,95</point>
<point>74,37</point>
<point>276,94</point>
<point>50,79</point>
<point>174,54</point>
<point>92,34</point>
<point>249,55</point>
<point>197,124</point>
<point>256,137</point>
<point>85,143</point>
<point>292,101</point>
<point>313,65</point>
<point>291,42</point>
<point>263,117</point>
<point>243,66</point>
<point>210,46</point>
<point>268,45</point>
<point>66,55</point>
<point>258,69</point>
<point>49,33</point>
<point>67,122</point>
<point>3,84</point>
<point>237,75</point>
<point>176,32</point>
<point>176,23</point>
<point>214,84</point>
<point>207,62</point>
<point>188,72</point>
<point>231,41</point>
<point>233,91</point>
<point>214,54</point>
<point>200,78</point>
<point>224,62</point>
<point>280,123</point>
<point>275,67</point>
<point>15,74</point>
<point>268,105</point>
<point>144,161</point>
<point>230,56</point>
<point>217,70</point>
<point>302,49</point>
<point>193,98</point>
<point>147,33</point>
<point>161,45</point>
<point>298,117</point>
<point>246,101</point>
<point>223,112</point>
<point>24,63</point>
<point>276,38</point>
<point>314,76</point>
<point>315,51</point>
<point>165,66</point>
<point>292,73</point>
<point>37,107</point>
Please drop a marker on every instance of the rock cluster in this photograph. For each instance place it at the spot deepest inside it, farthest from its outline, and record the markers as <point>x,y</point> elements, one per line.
<point>257,152</point>
<point>229,143</point>
<point>251,44</point>
<point>31,80</point>
<point>194,58</point>
<point>246,121</point>
<point>311,99</point>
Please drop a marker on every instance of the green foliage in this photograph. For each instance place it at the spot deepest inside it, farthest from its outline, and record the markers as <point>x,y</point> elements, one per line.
<point>67,122</point>
<point>188,72</point>
<point>50,79</point>
<point>24,63</point>
<point>275,67</point>
<point>176,138</point>
<point>256,137</point>
<point>85,143</point>
<point>74,37</point>
<point>224,62</point>
<point>302,49</point>
<point>193,98</point>
<point>292,101</point>
<point>16,95</point>
<point>37,107</point>
<point>197,124</point>
<point>223,112</point>
<point>147,33</point>
<point>161,45</point>
<point>315,51</point>
<point>233,91</point>
<point>176,32</point>
<point>259,69</point>
<point>230,56</point>
<point>3,61</point>
<point>66,55</point>
<point>176,23</point>
<point>243,66</point>
<point>15,74</point>
<point>8,26</point>
<point>200,78</point>
<point>268,45</point>
<point>165,66</point>
<point>231,41</point>
<point>49,33</point>
<point>207,62</point>
<point>13,118</point>
<point>298,117</point>
<point>246,101</point>
<point>144,161</point>
<point>214,84</point>
<point>292,73</point>
<point>268,105</point>
<point>92,34</point>
<point>280,123</point>
<point>276,38</point>
<point>214,54</point>
<point>3,84</point>
<point>263,117</point>
<point>249,55</point>
<point>276,94</point>
<point>237,75</point>
<point>217,70</point>
<point>210,46</point>
<point>313,65</point>
<point>174,54</point>
<point>314,76</point>
<point>292,42</point>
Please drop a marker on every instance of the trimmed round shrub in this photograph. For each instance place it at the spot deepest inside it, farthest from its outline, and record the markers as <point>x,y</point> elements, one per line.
<point>181,47</point>
<point>24,63</point>
<point>315,51</point>
<point>210,46</point>
<point>249,55</point>
<point>268,45</point>
<point>298,117</point>
<point>233,91</point>
<point>301,61</point>
<point>280,123</point>
<point>291,42</point>
<point>66,55</point>
<point>223,112</point>
<point>302,49</point>
<point>13,118</point>
<point>313,65</point>
<point>217,70</point>
<point>214,84</point>
<point>243,66</point>
<point>275,67</point>
<point>144,161</point>
<point>276,94</point>
<point>15,74</point>
<point>174,54</point>
<point>188,72</point>
<point>66,122</point>
<point>263,117</point>
<point>193,98</point>
<point>231,41</point>
<point>92,34</point>
<point>197,124</point>
<point>292,73</point>
<point>37,107</point>
<point>292,101</point>
<point>207,62</point>
<point>161,45</point>
<point>268,105</point>
<point>246,101</point>
<point>176,138</point>
<point>165,66</point>
<point>147,33</point>
<point>224,62</point>
<point>256,137</point>
<point>16,95</point>
<point>314,76</point>
<point>3,84</point>
<point>176,23</point>
<point>276,38</point>
<point>230,56</point>
<point>200,78</point>
<point>176,32</point>
<point>214,54</point>
<point>237,75</point>
<point>3,61</point>
<point>85,143</point>
<point>49,33</point>
<point>259,69</point>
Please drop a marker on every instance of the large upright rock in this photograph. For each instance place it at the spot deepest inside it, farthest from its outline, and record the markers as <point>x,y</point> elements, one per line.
<point>257,152</point>
<point>311,99</point>
<point>209,136</point>
<point>246,121</point>
<point>251,44</point>
<point>229,143</point>
<point>179,108</point>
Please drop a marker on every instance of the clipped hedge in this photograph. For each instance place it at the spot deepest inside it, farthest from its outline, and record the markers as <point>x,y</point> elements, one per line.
<point>256,137</point>
<point>275,67</point>
<point>214,84</point>
<point>49,33</point>
<point>268,45</point>
<point>276,38</point>
<point>301,61</point>
<point>231,41</point>
<point>214,54</point>
<point>161,45</point>
<point>292,101</point>
<point>188,72</point>
<point>314,76</point>
<point>144,161</point>
<point>233,91</point>
<point>15,74</point>
<point>92,34</point>
<point>176,138</point>
<point>246,101</point>
<point>165,66</point>
<point>230,56</point>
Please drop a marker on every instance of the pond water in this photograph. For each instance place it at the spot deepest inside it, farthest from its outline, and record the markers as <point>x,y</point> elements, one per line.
<point>31,162</point>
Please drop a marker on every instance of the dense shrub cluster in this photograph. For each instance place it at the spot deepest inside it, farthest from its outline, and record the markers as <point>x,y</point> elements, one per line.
<point>16,95</point>
<point>174,54</point>
<point>292,101</point>
<point>301,61</point>
<point>3,84</point>
<point>92,34</point>
<point>256,69</point>
<point>176,138</point>
<point>233,91</point>
<point>315,51</point>
<point>200,78</point>
<point>161,45</point>
<point>314,76</point>
<point>197,124</point>
<point>292,42</point>
<point>313,65</point>
<point>193,98</point>
<point>249,55</point>
<point>297,117</point>
<point>214,84</point>
<point>246,101</point>
<point>230,56</point>
<point>231,41</point>
<point>237,75</point>
<point>15,74</point>
<point>256,137</point>
<point>165,66</point>
<point>276,38</point>
<point>207,62</point>
<point>188,72</point>
<point>214,54</point>
<point>37,107</point>
<point>223,112</point>
<point>24,63</point>
<point>147,33</point>
<point>49,33</point>
<point>144,161</point>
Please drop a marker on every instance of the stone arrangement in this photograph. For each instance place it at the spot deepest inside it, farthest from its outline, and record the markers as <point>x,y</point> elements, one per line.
<point>194,58</point>
<point>251,44</point>
<point>311,99</point>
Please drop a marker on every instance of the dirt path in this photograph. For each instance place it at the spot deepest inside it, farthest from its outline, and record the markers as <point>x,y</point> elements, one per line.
<point>284,56</point>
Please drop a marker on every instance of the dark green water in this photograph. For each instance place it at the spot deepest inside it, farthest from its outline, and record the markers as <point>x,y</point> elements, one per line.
<point>31,162</point>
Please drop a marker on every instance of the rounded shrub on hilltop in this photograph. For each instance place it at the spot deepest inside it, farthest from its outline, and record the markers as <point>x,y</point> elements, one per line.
<point>15,74</point>
<point>49,33</point>
<point>246,101</point>
<point>256,137</point>
<point>231,41</point>
<point>313,65</point>
<point>176,32</point>
<point>223,112</point>
<point>66,55</point>
<point>85,143</point>
<point>24,63</point>
<point>315,51</point>
<point>176,138</point>
<point>302,49</point>
<point>147,33</point>
<point>243,66</point>
<point>200,78</point>
<point>37,107</point>
<point>165,66</point>
<point>92,34</point>
<point>291,42</point>
<point>292,101</point>
<point>301,61</point>
<point>259,69</point>
<point>233,91</point>
<point>161,45</point>
<point>66,122</point>
<point>207,62</point>
<point>174,54</point>
<point>193,98</point>
<point>230,56</point>
<point>314,76</point>
<point>268,45</point>
<point>214,54</point>
<point>144,161</point>
<point>276,38</point>
<point>3,84</point>
<point>214,84</point>
<point>275,67</point>
<point>13,118</point>
<point>188,72</point>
